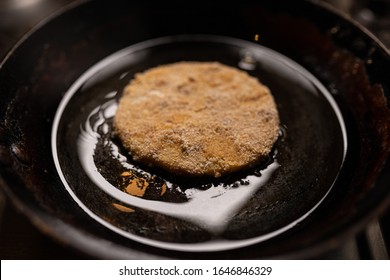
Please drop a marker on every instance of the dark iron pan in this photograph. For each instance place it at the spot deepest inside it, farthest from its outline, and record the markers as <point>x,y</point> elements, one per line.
<point>327,177</point>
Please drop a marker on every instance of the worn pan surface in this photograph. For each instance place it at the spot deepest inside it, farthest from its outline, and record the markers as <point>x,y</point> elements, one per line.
<point>327,177</point>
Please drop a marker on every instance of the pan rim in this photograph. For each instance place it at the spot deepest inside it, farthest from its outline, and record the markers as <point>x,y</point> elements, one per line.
<point>38,26</point>
<point>329,242</point>
<point>333,10</point>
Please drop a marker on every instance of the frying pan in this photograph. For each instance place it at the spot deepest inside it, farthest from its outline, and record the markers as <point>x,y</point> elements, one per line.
<point>43,85</point>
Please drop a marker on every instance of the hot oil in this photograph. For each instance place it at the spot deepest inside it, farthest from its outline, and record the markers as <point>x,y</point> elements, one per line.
<point>200,214</point>
<point>100,150</point>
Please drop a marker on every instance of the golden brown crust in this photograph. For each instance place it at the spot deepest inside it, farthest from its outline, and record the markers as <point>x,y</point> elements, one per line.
<point>197,118</point>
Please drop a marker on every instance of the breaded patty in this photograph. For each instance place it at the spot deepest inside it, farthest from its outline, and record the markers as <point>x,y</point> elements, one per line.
<point>197,119</point>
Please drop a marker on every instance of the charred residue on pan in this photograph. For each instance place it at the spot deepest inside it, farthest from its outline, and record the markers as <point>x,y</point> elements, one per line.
<point>150,182</point>
<point>301,170</point>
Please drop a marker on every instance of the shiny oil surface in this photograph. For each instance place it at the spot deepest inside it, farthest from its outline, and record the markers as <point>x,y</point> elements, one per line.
<point>156,208</point>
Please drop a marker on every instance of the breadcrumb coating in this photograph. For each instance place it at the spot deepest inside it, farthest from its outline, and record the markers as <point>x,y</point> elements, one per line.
<point>197,119</point>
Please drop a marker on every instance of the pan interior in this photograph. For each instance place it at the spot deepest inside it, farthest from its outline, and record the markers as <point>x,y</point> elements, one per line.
<point>151,206</point>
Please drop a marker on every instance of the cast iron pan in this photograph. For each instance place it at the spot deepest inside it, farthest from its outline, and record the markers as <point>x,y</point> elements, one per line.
<point>326,178</point>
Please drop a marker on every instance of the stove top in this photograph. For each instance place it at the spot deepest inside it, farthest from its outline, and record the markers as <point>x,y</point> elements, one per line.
<point>19,239</point>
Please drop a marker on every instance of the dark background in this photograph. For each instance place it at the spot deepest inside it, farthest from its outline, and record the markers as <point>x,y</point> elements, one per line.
<point>19,239</point>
